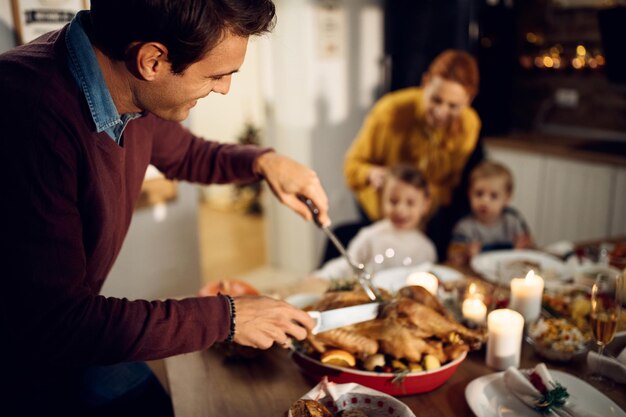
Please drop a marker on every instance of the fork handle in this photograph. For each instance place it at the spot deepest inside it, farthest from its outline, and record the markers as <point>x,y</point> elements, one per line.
<point>315,212</point>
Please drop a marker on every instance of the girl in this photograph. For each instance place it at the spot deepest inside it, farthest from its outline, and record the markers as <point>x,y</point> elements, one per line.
<point>396,239</point>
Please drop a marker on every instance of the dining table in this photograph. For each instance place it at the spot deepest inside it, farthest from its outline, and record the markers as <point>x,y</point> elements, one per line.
<point>222,382</point>
<point>216,382</point>
<point>210,383</point>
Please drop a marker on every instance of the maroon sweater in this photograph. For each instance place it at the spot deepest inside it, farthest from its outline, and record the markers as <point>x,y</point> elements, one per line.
<point>67,199</point>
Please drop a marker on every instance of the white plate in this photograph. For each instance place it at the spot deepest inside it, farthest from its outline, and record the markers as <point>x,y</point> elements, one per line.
<point>487,396</point>
<point>395,278</point>
<point>389,279</point>
<point>303,299</point>
<point>486,264</point>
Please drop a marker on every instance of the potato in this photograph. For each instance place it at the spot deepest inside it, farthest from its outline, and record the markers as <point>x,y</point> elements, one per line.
<point>372,361</point>
<point>398,365</point>
<point>431,362</point>
<point>415,367</point>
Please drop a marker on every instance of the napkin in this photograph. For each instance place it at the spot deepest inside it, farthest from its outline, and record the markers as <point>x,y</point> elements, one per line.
<point>520,385</point>
<point>614,368</point>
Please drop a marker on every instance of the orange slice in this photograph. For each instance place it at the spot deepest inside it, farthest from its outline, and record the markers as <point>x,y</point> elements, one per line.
<point>338,357</point>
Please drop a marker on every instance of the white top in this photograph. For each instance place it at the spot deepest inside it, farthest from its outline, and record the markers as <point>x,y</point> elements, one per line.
<point>410,247</point>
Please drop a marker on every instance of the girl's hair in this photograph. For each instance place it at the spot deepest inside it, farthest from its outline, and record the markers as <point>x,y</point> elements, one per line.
<point>188,28</point>
<point>410,175</point>
<point>457,66</point>
<point>491,169</point>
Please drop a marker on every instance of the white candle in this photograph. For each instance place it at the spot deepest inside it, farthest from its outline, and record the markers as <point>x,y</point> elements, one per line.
<point>474,310</point>
<point>526,296</point>
<point>504,344</point>
<point>424,279</point>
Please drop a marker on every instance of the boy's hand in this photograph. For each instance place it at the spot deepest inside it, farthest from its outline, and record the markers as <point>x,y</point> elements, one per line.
<point>474,249</point>
<point>523,242</point>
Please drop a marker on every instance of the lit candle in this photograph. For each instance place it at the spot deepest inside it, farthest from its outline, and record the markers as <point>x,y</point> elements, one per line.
<point>424,279</point>
<point>474,310</point>
<point>526,295</point>
<point>473,307</point>
<point>504,344</point>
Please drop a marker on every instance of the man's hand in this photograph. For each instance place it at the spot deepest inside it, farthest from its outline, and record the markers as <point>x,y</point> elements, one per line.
<point>288,179</point>
<point>261,321</point>
<point>376,176</point>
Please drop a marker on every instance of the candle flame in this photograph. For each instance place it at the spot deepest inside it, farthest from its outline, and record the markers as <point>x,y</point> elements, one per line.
<point>530,275</point>
<point>472,289</point>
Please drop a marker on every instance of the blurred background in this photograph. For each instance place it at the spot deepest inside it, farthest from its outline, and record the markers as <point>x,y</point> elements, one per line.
<point>552,103</point>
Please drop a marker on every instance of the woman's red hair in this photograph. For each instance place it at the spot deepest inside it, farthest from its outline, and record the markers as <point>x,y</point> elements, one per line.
<point>457,66</point>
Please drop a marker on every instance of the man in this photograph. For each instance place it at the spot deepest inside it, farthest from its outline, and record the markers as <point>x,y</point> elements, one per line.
<point>84,111</point>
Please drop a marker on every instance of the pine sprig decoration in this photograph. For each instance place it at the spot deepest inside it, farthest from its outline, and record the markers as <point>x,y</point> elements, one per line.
<point>342,284</point>
<point>552,398</point>
<point>399,377</point>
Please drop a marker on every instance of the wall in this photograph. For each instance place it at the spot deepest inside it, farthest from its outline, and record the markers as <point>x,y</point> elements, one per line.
<point>7,38</point>
<point>160,259</point>
<point>315,103</point>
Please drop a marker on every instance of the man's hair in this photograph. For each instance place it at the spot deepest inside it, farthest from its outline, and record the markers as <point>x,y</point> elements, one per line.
<point>457,66</point>
<point>188,28</point>
<point>491,169</point>
<point>410,175</point>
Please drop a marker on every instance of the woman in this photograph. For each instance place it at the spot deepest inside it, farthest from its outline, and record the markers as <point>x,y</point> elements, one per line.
<point>431,127</point>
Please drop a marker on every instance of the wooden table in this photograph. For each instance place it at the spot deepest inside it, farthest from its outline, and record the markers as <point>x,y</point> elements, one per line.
<point>207,384</point>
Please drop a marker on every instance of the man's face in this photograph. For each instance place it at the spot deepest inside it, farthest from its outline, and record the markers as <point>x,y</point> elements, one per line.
<point>488,197</point>
<point>444,101</point>
<point>171,96</point>
<point>403,204</point>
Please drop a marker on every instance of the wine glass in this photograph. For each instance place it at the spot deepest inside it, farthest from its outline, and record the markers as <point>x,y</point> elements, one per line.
<point>606,302</point>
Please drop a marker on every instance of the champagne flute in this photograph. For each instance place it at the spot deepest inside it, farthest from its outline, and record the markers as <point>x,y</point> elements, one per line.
<point>606,302</point>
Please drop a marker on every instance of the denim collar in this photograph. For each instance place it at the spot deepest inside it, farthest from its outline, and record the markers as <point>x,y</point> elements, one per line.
<point>86,71</point>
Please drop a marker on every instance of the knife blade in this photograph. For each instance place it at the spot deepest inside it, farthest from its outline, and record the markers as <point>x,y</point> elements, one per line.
<point>339,317</point>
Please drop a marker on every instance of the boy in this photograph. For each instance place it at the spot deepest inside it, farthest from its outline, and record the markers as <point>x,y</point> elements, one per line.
<point>492,224</point>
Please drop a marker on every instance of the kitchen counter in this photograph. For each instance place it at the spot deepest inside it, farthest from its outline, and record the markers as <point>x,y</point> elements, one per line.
<point>591,150</point>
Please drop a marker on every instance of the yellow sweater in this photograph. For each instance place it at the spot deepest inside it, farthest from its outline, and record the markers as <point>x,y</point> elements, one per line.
<point>395,132</point>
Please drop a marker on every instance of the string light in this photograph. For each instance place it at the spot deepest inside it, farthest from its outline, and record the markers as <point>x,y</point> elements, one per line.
<point>548,62</point>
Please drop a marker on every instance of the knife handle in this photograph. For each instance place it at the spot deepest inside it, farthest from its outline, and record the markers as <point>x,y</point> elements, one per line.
<point>315,315</point>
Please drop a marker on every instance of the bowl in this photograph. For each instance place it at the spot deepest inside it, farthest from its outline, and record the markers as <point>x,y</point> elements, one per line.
<point>586,274</point>
<point>557,340</point>
<point>556,355</point>
<point>387,382</point>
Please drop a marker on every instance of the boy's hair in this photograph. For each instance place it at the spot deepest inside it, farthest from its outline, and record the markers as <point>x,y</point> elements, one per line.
<point>188,28</point>
<point>410,175</point>
<point>491,169</point>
